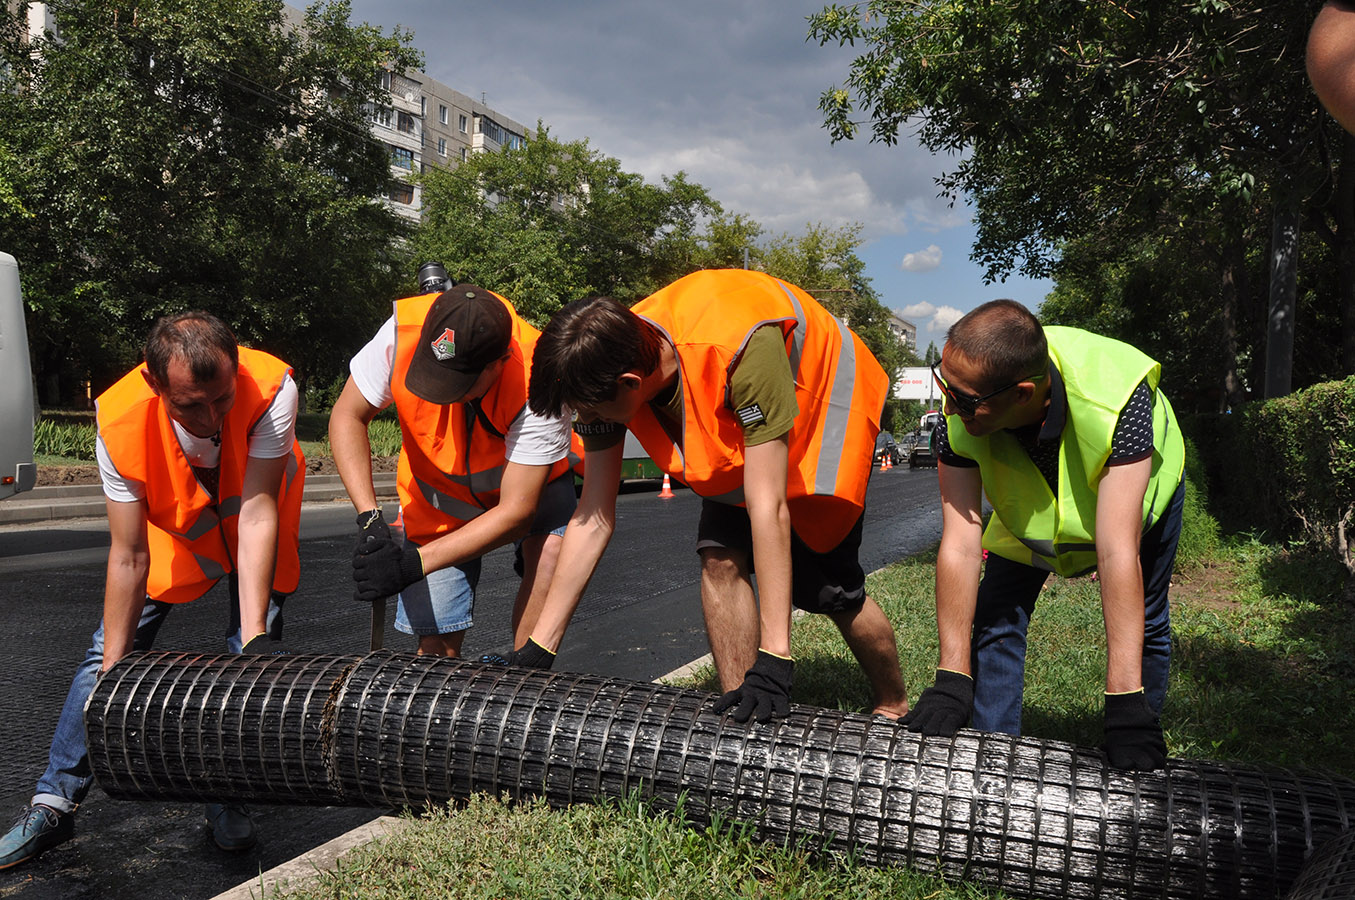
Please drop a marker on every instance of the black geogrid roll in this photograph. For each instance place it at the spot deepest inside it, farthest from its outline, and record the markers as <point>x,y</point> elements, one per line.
<point>1035,818</point>
<point>189,727</point>
<point>1330,873</point>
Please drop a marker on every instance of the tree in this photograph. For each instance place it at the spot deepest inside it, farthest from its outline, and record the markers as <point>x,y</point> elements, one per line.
<point>1094,121</point>
<point>195,154</point>
<point>554,221</point>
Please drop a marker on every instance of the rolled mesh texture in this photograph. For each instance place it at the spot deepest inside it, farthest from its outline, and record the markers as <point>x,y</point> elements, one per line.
<point>1035,818</point>
<point>1330,873</point>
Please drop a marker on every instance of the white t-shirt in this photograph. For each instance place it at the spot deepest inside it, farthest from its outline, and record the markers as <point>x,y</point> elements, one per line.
<point>531,440</point>
<point>270,438</point>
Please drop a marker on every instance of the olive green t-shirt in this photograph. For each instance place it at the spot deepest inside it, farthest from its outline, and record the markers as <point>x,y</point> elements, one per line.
<point>761,389</point>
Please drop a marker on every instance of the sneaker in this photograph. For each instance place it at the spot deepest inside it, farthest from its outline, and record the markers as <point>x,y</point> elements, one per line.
<point>232,828</point>
<point>38,829</point>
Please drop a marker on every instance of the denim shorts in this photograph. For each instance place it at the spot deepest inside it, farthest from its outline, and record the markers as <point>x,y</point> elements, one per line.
<point>444,601</point>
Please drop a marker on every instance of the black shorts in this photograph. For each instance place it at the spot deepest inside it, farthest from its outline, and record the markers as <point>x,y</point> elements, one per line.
<point>829,582</point>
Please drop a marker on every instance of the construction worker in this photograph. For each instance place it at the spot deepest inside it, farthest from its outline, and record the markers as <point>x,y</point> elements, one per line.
<point>746,389</point>
<point>1068,436</point>
<point>202,477</point>
<point>477,468</point>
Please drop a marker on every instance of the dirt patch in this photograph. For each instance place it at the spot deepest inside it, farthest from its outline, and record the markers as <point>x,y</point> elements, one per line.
<point>1210,586</point>
<point>322,465</point>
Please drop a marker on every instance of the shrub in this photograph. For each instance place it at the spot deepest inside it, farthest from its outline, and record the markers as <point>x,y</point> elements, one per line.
<point>66,439</point>
<point>1199,530</point>
<point>1286,467</point>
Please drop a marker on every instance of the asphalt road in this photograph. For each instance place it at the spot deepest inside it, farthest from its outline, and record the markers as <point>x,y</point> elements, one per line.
<point>640,619</point>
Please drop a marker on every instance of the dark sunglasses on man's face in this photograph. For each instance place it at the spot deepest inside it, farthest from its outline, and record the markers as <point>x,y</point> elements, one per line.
<point>968,404</point>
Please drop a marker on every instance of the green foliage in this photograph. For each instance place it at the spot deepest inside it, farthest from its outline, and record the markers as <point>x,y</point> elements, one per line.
<point>1286,467</point>
<point>1116,128</point>
<point>65,439</point>
<point>197,154</point>
<point>1200,533</point>
<point>555,221</point>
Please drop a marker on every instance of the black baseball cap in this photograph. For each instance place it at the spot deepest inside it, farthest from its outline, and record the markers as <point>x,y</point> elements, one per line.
<point>466,329</point>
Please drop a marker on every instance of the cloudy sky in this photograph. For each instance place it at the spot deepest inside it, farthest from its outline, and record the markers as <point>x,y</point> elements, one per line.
<point>726,92</point>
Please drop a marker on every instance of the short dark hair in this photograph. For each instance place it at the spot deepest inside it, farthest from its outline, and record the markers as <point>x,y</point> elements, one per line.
<point>584,349</point>
<point>1004,339</point>
<point>198,339</point>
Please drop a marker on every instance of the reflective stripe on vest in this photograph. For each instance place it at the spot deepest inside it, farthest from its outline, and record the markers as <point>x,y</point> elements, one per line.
<point>709,317</point>
<point>192,539</point>
<point>1031,525</point>
<point>451,458</point>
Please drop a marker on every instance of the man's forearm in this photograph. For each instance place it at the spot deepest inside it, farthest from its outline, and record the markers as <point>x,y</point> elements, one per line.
<point>1121,579</point>
<point>352,451</point>
<point>771,554</point>
<point>258,553</point>
<point>584,542</point>
<point>124,598</point>
<point>957,588</point>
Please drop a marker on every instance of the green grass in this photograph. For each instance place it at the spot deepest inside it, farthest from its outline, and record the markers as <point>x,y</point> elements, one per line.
<point>1264,661</point>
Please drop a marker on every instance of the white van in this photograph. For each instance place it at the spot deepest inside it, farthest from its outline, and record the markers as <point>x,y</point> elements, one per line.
<point>17,471</point>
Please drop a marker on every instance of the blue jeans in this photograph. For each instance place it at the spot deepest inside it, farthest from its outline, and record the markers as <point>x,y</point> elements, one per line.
<point>68,777</point>
<point>1006,600</point>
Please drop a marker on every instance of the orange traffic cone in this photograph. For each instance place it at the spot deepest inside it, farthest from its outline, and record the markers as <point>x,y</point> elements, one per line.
<point>884,463</point>
<point>667,492</point>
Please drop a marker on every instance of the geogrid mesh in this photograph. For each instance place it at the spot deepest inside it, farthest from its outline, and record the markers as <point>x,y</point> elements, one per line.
<point>1034,818</point>
<point>1330,874</point>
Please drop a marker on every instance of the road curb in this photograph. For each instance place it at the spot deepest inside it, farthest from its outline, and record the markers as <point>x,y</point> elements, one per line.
<point>84,501</point>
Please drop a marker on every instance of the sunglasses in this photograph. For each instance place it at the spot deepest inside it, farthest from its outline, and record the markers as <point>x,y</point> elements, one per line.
<point>968,404</point>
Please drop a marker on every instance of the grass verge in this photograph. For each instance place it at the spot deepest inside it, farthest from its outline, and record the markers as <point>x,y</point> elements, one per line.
<point>1264,660</point>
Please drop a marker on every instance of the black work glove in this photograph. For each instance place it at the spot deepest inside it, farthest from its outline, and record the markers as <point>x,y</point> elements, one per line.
<point>532,656</point>
<point>264,645</point>
<point>383,568</point>
<point>943,708</point>
<point>372,528</point>
<point>1134,733</point>
<point>765,692</point>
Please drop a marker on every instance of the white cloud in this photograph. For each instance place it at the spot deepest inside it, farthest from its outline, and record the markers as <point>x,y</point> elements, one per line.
<point>931,318</point>
<point>945,317</point>
<point>922,260</point>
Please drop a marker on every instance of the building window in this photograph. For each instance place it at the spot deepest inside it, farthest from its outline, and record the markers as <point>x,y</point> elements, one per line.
<point>405,122</point>
<point>402,158</point>
<point>381,115</point>
<point>442,146</point>
<point>461,122</point>
<point>463,154</point>
<point>399,192</point>
<point>498,134</point>
<point>423,107</point>
<point>442,114</point>
<point>385,81</point>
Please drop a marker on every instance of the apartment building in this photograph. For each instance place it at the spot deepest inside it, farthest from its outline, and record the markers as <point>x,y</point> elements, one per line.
<point>427,124</point>
<point>904,330</point>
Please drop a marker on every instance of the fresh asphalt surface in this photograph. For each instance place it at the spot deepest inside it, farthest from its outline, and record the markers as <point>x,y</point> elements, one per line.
<point>640,619</point>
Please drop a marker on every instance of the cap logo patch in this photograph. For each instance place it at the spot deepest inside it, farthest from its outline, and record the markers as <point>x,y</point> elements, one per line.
<point>444,348</point>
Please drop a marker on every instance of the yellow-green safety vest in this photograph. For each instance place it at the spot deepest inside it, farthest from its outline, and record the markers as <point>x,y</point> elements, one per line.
<point>1029,524</point>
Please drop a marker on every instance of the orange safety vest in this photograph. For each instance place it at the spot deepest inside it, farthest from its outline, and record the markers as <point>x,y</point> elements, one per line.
<point>840,389</point>
<point>452,456</point>
<point>194,539</point>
